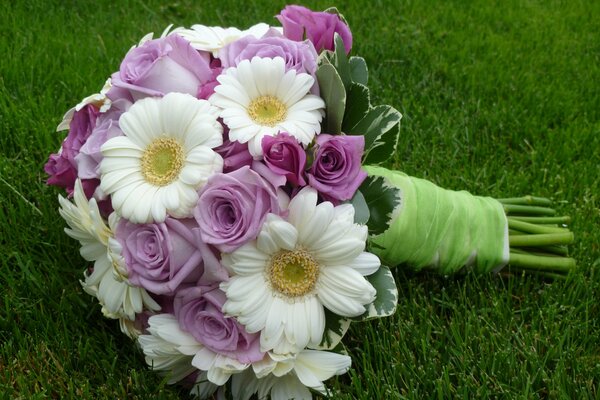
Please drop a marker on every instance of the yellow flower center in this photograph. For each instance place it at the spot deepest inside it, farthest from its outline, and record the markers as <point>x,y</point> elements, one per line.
<point>162,161</point>
<point>293,273</point>
<point>267,110</point>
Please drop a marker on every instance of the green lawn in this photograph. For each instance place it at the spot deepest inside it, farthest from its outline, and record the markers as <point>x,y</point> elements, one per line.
<point>499,98</point>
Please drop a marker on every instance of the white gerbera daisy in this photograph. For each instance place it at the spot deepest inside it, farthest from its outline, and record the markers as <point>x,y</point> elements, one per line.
<point>259,98</point>
<point>214,38</point>
<point>283,280</point>
<point>290,377</point>
<point>167,348</point>
<point>164,157</point>
<point>106,281</point>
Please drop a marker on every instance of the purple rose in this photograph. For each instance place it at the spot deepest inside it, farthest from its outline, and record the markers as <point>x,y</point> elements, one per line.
<point>199,312</point>
<point>161,66</point>
<point>335,172</point>
<point>299,56</point>
<point>285,156</point>
<point>160,257</point>
<point>235,154</point>
<point>62,167</point>
<point>232,208</point>
<point>318,27</point>
<point>107,127</point>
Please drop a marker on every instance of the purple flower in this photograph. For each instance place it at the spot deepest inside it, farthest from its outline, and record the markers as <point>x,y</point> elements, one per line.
<point>299,56</point>
<point>235,154</point>
<point>107,127</point>
<point>285,156</point>
<point>62,167</point>
<point>318,27</point>
<point>232,208</point>
<point>161,66</point>
<point>335,172</point>
<point>199,312</point>
<point>160,257</point>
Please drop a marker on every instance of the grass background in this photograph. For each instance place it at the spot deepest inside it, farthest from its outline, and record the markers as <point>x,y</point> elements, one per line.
<point>499,98</point>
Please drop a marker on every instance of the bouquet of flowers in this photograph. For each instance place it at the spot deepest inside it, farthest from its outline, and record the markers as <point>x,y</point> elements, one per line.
<point>227,196</point>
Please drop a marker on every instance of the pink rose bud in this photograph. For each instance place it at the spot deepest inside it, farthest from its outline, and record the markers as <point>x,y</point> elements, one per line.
<point>318,27</point>
<point>285,156</point>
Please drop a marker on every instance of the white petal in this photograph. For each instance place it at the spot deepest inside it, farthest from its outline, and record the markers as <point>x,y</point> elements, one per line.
<point>266,242</point>
<point>302,207</point>
<point>283,233</point>
<point>366,263</point>
<point>322,365</point>
<point>274,324</point>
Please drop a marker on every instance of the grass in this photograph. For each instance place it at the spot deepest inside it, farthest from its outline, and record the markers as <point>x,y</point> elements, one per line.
<point>499,98</point>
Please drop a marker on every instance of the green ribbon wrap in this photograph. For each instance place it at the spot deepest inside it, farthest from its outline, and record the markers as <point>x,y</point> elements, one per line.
<point>441,229</point>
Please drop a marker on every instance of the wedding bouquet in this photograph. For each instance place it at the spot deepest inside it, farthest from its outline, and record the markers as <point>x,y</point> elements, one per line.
<point>226,195</point>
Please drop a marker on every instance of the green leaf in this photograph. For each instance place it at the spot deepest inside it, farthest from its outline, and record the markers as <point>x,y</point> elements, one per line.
<point>335,329</point>
<point>387,294</point>
<point>384,148</point>
<point>382,199</point>
<point>333,93</point>
<point>340,61</point>
<point>375,124</point>
<point>324,58</point>
<point>361,210</point>
<point>358,70</point>
<point>357,105</point>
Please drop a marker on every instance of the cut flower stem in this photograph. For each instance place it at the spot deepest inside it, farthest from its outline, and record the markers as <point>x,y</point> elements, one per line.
<point>537,238</point>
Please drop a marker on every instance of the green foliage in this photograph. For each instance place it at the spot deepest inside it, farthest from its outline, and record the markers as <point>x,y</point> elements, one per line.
<point>381,199</point>
<point>333,93</point>
<point>387,294</point>
<point>498,98</point>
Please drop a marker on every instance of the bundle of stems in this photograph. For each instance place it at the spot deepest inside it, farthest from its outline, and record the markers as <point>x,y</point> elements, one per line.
<point>538,238</point>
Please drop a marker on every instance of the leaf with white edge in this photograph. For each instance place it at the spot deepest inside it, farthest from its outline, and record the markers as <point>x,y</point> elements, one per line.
<point>361,210</point>
<point>333,93</point>
<point>340,61</point>
<point>324,57</point>
<point>376,123</point>
<point>386,299</point>
<point>384,148</point>
<point>358,103</point>
<point>358,70</point>
<point>335,329</point>
<point>382,198</point>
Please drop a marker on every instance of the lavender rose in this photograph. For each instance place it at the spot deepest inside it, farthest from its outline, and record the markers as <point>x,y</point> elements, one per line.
<point>161,66</point>
<point>107,127</point>
<point>235,154</point>
<point>62,167</point>
<point>232,208</point>
<point>335,172</point>
<point>285,156</point>
<point>160,257</point>
<point>199,312</point>
<point>318,27</point>
<point>299,56</point>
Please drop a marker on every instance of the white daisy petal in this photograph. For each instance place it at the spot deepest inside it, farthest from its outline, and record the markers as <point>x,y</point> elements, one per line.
<point>282,282</point>
<point>164,157</point>
<point>366,263</point>
<point>272,100</point>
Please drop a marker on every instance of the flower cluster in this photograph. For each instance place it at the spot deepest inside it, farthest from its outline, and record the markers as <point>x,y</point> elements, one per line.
<point>214,202</point>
